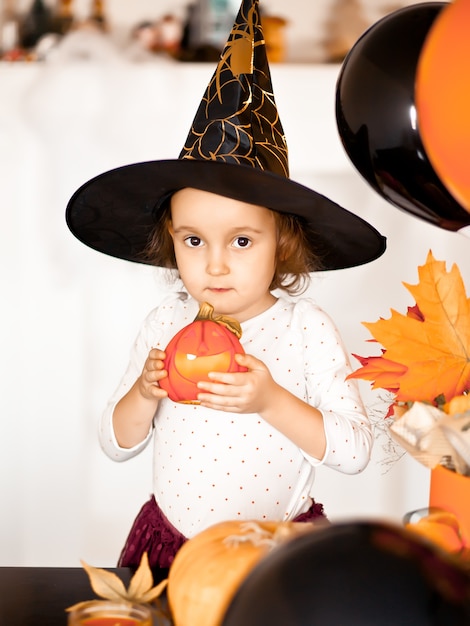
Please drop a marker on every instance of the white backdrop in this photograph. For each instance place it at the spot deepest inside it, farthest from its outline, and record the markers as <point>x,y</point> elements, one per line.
<point>69,314</point>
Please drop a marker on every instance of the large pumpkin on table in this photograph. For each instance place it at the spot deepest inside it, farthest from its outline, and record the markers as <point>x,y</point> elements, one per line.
<point>208,344</point>
<point>209,568</point>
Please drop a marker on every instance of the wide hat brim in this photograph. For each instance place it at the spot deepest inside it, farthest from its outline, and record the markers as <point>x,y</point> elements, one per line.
<point>116,211</point>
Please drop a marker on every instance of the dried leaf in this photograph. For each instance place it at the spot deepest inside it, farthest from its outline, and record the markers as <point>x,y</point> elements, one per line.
<point>142,580</point>
<point>108,585</point>
<point>426,353</point>
<point>104,583</point>
<point>154,593</point>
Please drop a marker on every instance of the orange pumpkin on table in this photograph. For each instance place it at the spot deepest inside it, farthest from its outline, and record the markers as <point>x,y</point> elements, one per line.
<point>208,344</point>
<point>210,567</point>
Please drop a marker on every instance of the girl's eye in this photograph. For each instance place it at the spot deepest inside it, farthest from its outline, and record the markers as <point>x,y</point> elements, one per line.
<point>193,242</point>
<point>242,242</point>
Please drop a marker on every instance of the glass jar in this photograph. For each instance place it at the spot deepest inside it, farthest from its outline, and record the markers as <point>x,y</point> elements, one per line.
<point>110,613</point>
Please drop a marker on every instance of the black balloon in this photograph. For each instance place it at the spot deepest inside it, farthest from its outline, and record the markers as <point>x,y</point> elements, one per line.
<point>377,119</point>
<point>359,574</point>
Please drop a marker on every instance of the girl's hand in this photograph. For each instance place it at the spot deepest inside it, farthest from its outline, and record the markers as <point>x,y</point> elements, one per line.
<point>152,373</point>
<point>253,391</point>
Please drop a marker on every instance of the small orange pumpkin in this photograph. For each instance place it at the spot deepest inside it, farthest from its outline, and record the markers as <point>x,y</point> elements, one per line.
<point>458,404</point>
<point>208,344</point>
<point>439,527</point>
<point>209,568</point>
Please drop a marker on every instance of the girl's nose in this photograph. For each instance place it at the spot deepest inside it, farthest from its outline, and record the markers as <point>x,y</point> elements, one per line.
<point>217,263</point>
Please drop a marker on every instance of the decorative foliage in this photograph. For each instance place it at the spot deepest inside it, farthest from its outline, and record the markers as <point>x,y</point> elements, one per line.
<point>426,353</point>
<point>109,586</point>
<point>425,366</point>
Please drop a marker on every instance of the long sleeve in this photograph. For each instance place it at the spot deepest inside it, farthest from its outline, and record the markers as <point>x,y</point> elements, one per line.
<point>303,349</point>
<point>147,338</point>
<point>347,427</point>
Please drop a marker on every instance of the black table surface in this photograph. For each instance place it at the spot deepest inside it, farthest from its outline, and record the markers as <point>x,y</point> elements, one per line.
<point>39,596</point>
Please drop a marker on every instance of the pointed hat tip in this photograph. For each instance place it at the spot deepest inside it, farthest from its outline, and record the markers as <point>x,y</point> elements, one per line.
<point>237,120</point>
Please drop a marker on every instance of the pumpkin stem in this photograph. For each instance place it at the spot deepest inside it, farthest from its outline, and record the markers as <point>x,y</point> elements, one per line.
<point>254,534</point>
<point>206,311</point>
<point>258,536</point>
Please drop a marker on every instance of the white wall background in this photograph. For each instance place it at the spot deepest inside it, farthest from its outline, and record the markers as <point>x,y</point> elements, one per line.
<point>68,314</point>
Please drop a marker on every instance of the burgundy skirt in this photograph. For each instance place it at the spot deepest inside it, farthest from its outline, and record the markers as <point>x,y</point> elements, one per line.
<point>151,532</point>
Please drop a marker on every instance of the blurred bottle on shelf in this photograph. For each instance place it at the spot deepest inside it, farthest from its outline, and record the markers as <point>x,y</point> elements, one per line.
<point>63,17</point>
<point>275,38</point>
<point>169,32</point>
<point>36,23</point>
<point>343,28</point>
<point>206,28</point>
<point>211,22</point>
<point>98,15</point>
<point>9,28</point>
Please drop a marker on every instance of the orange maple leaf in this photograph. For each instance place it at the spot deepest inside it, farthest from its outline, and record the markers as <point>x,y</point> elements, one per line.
<point>426,353</point>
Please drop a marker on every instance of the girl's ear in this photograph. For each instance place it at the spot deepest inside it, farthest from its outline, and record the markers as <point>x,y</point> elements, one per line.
<point>169,226</point>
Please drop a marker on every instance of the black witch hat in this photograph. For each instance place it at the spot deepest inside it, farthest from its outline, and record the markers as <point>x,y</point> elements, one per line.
<point>236,148</point>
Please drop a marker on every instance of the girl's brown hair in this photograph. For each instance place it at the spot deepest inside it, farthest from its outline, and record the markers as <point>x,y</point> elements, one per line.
<point>295,258</point>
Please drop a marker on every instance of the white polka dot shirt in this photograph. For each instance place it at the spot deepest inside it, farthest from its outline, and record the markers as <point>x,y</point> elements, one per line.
<point>211,465</point>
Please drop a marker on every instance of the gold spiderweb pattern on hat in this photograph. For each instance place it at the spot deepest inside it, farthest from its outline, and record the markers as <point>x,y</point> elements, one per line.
<point>237,120</point>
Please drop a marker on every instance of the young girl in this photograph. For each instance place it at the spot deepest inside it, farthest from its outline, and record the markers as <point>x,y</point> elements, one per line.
<point>236,228</point>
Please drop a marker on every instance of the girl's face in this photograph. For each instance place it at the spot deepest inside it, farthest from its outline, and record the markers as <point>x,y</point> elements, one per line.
<point>225,251</point>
